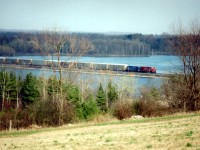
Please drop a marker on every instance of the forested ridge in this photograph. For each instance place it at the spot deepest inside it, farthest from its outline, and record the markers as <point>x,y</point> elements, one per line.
<point>19,43</point>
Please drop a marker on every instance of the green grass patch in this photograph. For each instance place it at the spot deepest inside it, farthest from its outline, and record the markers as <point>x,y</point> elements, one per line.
<point>108,140</point>
<point>56,142</point>
<point>133,140</point>
<point>188,145</point>
<point>189,133</point>
<point>149,146</point>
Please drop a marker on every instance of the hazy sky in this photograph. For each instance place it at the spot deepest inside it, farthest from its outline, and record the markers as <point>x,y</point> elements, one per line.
<point>136,16</point>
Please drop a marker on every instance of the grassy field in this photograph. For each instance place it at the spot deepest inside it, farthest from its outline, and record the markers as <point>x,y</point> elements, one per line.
<point>170,132</point>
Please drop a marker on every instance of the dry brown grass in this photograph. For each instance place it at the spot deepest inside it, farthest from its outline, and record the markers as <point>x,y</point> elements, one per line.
<point>176,132</point>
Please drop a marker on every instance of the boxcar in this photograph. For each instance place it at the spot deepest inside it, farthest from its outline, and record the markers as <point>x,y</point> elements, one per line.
<point>82,65</point>
<point>100,66</point>
<point>25,61</point>
<point>11,61</point>
<point>38,63</point>
<point>117,67</point>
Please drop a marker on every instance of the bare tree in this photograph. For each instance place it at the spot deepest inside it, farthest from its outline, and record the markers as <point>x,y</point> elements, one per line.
<point>186,43</point>
<point>55,44</point>
<point>3,80</point>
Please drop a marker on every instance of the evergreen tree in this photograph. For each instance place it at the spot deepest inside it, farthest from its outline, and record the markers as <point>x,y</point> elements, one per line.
<point>111,94</point>
<point>89,107</point>
<point>11,88</point>
<point>29,89</point>
<point>101,99</point>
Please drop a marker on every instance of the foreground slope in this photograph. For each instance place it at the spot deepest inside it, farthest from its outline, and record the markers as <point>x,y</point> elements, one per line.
<point>172,132</point>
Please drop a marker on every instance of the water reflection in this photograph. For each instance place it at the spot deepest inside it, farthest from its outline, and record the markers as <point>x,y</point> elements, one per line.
<point>132,84</point>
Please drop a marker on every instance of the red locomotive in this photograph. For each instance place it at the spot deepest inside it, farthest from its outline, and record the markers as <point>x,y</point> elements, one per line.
<point>148,69</point>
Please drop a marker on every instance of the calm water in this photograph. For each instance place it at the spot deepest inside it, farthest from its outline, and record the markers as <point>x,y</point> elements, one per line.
<point>132,84</point>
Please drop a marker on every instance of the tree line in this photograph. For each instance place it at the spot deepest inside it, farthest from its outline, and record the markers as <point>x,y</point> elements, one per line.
<point>20,43</point>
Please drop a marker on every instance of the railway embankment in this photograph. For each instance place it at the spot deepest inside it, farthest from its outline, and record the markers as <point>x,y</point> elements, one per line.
<point>89,71</point>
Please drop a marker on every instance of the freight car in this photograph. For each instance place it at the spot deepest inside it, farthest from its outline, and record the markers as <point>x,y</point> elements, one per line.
<point>38,63</point>
<point>11,61</point>
<point>117,67</point>
<point>99,66</point>
<point>84,65</point>
<point>24,61</point>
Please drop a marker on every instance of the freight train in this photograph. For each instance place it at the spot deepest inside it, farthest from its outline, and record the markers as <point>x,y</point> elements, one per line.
<point>77,65</point>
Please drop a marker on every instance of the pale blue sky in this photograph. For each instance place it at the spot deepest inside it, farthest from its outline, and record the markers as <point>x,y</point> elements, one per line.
<point>135,16</point>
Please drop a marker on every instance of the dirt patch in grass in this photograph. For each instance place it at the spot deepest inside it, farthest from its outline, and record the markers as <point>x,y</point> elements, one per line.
<point>157,133</point>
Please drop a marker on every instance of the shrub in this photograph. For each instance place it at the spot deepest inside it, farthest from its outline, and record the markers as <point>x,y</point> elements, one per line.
<point>150,104</point>
<point>5,117</point>
<point>69,113</point>
<point>24,118</point>
<point>180,95</point>
<point>50,115</point>
<point>90,108</point>
<point>122,109</point>
<point>45,115</point>
<point>87,110</point>
<point>150,108</point>
<point>20,119</point>
<point>103,117</point>
<point>136,107</point>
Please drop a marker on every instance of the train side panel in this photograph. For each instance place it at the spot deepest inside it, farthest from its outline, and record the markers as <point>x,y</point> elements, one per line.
<point>39,63</point>
<point>117,67</point>
<point>132,69</point>
<point>148,69</point>
<point>100,66</point>
<point>25,61</point>
<point>81,65</point>
<point>11,61</point>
